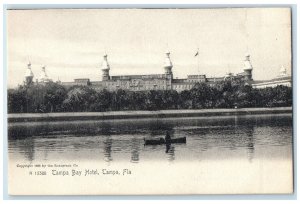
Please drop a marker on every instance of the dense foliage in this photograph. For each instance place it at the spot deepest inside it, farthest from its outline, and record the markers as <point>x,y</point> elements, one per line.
<point>53,97</point>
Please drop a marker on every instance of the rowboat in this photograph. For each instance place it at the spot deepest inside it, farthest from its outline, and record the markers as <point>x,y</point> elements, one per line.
<point>161,141</point>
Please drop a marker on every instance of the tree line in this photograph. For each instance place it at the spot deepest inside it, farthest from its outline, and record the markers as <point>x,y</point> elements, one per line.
<point>53,97</point>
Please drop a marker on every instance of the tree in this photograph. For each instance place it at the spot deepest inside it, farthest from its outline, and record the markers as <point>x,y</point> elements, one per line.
<point>202,96</point>
<point>279,96</point>
<point>16,100</point>
<point>102,101</point>
<point>79,99</point>
<point>54,96</point>
<point>137,100</point>
<point>185,101</point>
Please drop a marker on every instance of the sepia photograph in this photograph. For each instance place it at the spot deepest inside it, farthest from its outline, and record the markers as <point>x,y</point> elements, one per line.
<point>149,101</point>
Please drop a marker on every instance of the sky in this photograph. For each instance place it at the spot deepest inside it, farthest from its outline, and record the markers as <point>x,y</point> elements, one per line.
<point>71,43</point>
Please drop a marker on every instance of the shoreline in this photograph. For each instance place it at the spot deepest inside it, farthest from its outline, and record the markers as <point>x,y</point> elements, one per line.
<point>35,117</point>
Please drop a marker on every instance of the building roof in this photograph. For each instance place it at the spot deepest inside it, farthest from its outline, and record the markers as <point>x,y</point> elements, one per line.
<point>82,79</point>
<point>272,80</point>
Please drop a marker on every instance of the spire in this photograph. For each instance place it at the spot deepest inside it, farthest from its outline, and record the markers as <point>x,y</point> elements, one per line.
<point>105,64</point>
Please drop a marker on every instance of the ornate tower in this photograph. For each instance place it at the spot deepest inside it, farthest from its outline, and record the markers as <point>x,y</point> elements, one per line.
<point>44,77</point>
<point>28,75</point>
<point>247,68</point>
<point>105,69</point>
<point>168,65</point>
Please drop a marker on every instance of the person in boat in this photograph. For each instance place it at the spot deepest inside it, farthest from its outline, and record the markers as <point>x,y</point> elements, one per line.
<point>168,138</point>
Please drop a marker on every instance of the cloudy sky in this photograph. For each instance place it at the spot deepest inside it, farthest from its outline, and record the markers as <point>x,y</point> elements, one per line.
<point>71,43</point>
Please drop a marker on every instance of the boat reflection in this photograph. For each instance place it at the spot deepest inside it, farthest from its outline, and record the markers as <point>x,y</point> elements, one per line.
<point>170,150</point>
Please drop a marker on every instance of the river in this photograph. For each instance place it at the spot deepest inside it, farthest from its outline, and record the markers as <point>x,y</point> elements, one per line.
<point>231,143</point>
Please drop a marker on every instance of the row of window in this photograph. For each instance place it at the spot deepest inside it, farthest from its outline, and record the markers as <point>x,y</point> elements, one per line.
<point>140,88</point>
<point>159,82</point>
<point>148,87</point>
<point>196,80</point>
<point>189,86</point>
<point>196,76</point>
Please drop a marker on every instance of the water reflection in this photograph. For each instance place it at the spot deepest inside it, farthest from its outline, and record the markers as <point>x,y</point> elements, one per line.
<point>108,149</point>
<point>250,143</point>
<point>27,148</point>
<point>207,138</point>
<point>135,150</point>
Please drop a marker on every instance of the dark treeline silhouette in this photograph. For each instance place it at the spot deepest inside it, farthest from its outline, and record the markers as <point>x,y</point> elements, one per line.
<point>53,97</point>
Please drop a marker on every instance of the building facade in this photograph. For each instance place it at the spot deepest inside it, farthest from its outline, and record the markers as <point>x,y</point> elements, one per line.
<point>163,81</point>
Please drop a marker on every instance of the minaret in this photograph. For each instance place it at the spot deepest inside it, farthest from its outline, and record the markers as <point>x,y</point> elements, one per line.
<point>44,77</point>
<point>247,68</point>
<point>168,65</point>
<point>282,72</point>
<point>28,75</point>
<point>105,69</point>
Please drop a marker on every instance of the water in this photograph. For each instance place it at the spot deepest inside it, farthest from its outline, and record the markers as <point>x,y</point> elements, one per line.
<point>248,138</point>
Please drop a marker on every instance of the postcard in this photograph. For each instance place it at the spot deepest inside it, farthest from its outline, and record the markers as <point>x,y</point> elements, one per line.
<point>149,101</point>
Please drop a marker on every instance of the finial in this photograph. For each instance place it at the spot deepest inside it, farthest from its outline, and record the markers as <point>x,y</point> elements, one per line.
<point>105,55</point>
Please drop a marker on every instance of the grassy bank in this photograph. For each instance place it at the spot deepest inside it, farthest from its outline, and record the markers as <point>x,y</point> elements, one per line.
<point>27,117</point>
